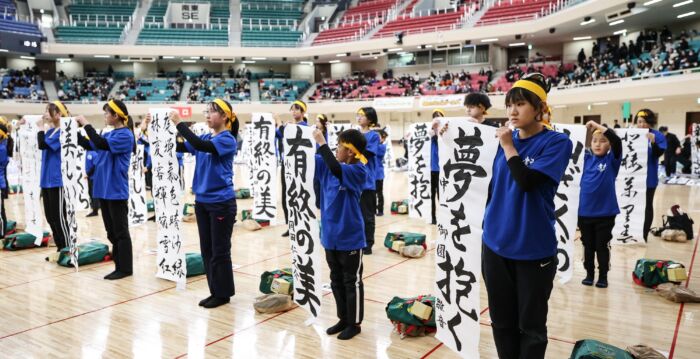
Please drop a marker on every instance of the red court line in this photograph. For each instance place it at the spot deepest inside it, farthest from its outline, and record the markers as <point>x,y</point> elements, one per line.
<point>431,351</point>
<point>680,310</point>
<point>275,316</point>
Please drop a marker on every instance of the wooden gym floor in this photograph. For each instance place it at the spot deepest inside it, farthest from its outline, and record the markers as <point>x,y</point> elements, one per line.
<point>51,311</point>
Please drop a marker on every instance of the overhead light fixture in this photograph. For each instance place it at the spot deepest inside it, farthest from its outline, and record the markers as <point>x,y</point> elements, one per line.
<point>4,50</point>
<point>490,40</point>
<point>333,61</point>
<point>306,62</point>
<point>194,57</point>
<point>259,58</point>
<point>617,22</point>
<point>652,2</point>
<point>395,49</point>
<point>586,22</point>
<point>599,103</point>
<point>516,44</point>
<point>582,38</point>
<point>103,56</point>
<point>683,3</point>
<point>27,57</point>
<point>428,46</point>
<point>189,61</point>
<point>620,32</point>
<point>62,60</point>
<point>248,61</point>
<point>656,99</point>
<point>128,60</point>
<point>560,106</point>
<point>376,57</point>
<point>168,57</point>
<point>341,55</point>
<point>686,14</point>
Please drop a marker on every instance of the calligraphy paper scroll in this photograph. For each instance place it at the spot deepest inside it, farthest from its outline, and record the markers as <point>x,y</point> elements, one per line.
<point>566,201</point>
<point>74,191</point>
<point>167,197</point>
<point>419,172</point>
<point>264,167</point>
<point>299,165</point>
<point>467,151</point>
<point>695,148</point>
<point>389,155</point>
<point>30,157</point>
<point>138,211</point>
<point>334,130</point>
<point>631,186</point>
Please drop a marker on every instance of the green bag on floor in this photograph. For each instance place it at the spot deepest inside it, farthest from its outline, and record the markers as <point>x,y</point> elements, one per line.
<point>242,193</point>
<point>593,349</point>
<point>16,188</point>
<point>395,206</point>
<point>24,240</point>
<point>406,323</point>
<point>88,253</point>
<point>651,272</point>
<point>10,227</point>
<point>188,209</point>
<point>407,237</point>
<point>267,277</point>
<point>195,264</point>
<point>150,206</point>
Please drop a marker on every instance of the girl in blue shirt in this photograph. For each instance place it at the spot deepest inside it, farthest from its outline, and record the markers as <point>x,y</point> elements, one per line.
<point>379,172</point>
<point>215,200</point>
<point>111,180</point>
<point>435,164</point>
<point>51,180</point>
<point>646,118</point>
<point>343,178</point>
<point>367,119</point>
<point>598,202</point>
<point>519,253</point>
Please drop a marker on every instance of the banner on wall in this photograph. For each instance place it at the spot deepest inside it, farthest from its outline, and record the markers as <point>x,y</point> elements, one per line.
<point>566,201</point>
<point>167,197</point>
<point>30,158</point>
<point>631,186</point>
<point>392,103</point>
<point>447,101</point>
<point>300,167</point>
<point>467,151</point>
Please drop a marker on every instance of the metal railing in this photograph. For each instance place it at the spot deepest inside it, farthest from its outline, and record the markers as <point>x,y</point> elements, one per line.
<point>274,7</point>
<point>105,2</point>
<point>270,22</point>
<point>99,18</point>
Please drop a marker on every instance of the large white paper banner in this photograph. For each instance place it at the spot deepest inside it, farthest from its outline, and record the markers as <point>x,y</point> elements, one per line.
<point>566,201</point>
<point>466,154</point>
<point>694,149</point>
<point>264,168</point>
<point>248,154</point>
<point>138,210</point>
<point>631,186</point>
<point>299,165</point>
<point>334,130</point>
<point>74,191</point>
<point>30,157</point>
<point>419,172</point>
<point>167,197</point>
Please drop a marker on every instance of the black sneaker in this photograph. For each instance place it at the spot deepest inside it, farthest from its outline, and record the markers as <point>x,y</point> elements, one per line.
<point>216,302</point>
<point>588,280</point>
<point>602,281</point>
<point>117,275</point>
<point>92,214</point>
<point>285,234</point>
<point>205,300</point>
<point>349,332</point>
<point>337,328</point>
<point>367,251</point>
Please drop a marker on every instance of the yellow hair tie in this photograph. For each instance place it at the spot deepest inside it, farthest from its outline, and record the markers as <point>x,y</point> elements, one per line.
<point>532,87</point>
<point>440,111</point>
<point>61,108</point>
<point>300,104</point>
<point>357,153</point>
<point>229,113</point>
<point>118,111</point>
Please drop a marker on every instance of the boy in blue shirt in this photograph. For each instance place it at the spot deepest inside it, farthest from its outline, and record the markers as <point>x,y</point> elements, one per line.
<point>342,178</point>
<point>598,203</point>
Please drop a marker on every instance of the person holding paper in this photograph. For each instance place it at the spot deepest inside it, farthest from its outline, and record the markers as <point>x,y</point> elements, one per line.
<point>646,118</point>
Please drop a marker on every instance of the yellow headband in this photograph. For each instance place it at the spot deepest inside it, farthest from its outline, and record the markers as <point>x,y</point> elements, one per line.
<point>229,114</point>
<point>300,104</point>
<point>62,109</point>
<point>3,134</point>
<point>357,153</point>
<point>642,114</point>
<point>118,111</point>
<point>440,111</point>
<point>320,117</point>
<point>596,132</point>
<point>361,112</point>
<point>532,87</point>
